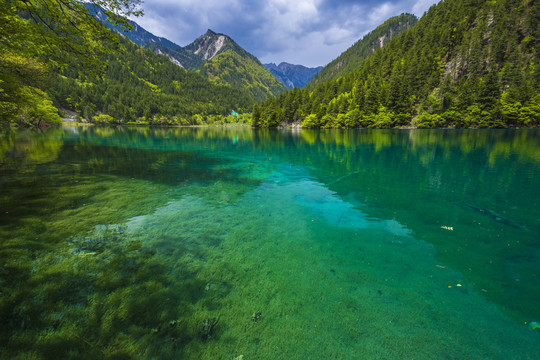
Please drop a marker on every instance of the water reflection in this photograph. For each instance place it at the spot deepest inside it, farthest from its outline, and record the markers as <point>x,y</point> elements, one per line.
<point>472,194</point>
<point>496,144</point>
<point>19,150</point>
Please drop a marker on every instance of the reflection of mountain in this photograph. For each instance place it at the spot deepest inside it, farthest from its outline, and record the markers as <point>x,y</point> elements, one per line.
<point>340,213</point>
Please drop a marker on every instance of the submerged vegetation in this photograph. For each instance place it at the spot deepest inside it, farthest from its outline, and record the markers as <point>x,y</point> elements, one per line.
<point>88,299</point>
<point>181,262</point>
<point>79,281</point>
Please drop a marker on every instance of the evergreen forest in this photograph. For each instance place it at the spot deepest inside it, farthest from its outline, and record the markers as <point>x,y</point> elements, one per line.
<point>54,54</point>
<point>350,59</point>
<point>470,63</point>
<point>142,87</point>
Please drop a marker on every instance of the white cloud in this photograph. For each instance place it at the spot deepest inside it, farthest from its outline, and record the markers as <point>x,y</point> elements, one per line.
<point>422,6</point>
<point>307,32</point>
<point>383,12</point>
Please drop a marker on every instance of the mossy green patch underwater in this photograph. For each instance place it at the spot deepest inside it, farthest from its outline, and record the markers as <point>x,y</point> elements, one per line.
<point>127,243</point>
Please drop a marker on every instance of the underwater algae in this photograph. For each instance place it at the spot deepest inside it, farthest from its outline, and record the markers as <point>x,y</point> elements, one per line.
<point>127,243</point>
<point>101,294</point>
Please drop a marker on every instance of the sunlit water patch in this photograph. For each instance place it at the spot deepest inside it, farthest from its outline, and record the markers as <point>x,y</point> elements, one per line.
<point>240,244</point>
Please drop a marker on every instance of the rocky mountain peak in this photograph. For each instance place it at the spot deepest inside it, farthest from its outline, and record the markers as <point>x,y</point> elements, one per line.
<point>235,68</point>
<point>208,45</point>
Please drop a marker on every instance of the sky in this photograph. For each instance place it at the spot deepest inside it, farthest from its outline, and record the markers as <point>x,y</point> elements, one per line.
<point>305,32</point>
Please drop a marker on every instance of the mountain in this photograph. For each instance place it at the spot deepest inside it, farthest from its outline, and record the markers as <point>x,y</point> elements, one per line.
<point>470,63</point>
<point>352,57</point>
<point>139,85</point>
<point>207,46</point>
<point>226,63</point>
<point>292,75</point>
<point>234,66</point>
<point>220,59</point>
<point>144,38</point>
<point>137,34</point>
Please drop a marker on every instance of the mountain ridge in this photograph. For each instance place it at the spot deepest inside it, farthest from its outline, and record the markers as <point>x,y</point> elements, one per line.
<point>143,87</point>
<point>292,75</point>
<point>238,68</point>
<point>363,48</point>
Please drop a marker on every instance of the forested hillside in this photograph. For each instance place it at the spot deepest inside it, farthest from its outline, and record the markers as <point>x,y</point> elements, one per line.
<point>37,38</point>
<point>139,84</point>
<point>242,72</point>
<point>45,64</point>
<point>215,56</point>
<point>466,63</point>
<point>353,56</point>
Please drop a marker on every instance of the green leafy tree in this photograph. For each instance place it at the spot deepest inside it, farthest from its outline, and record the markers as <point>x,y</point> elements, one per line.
<point>39,36</point>
<point>311,121</point>
<point>255,116</point>
<point>38,108</point>
<point>353,118</point>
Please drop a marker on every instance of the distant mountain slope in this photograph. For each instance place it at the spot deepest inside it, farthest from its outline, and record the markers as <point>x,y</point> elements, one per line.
<point>138,34</point>
<point>352,57</point>
<point>250,77</point>
<point>472,63</point>
<point>292,75</point>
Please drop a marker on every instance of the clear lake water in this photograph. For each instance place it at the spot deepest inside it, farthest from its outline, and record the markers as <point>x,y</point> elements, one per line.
<point>238,244</point>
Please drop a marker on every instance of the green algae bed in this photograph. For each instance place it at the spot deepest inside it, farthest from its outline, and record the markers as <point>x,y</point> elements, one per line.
<point>395,244</point>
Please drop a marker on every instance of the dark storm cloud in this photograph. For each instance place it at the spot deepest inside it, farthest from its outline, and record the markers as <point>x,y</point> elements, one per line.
<point>307,32</point>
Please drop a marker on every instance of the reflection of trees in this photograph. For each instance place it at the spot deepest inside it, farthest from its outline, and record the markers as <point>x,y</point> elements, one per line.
<point>104,294</point>
<point>333,143</point>
<point>476,181</point>
<point>479,182</point>
<point>20,150</point>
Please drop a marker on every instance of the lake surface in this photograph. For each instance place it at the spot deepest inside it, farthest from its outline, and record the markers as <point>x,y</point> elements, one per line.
<point>366,244</point>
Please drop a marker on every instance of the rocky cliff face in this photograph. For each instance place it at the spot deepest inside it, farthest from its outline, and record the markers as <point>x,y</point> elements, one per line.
<point>292,75</point>
<point>208,45</point>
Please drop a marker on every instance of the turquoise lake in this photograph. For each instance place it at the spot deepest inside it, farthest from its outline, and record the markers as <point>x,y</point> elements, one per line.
<point>233,243</point>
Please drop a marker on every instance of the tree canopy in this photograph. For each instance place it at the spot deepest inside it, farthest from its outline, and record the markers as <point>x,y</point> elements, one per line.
<point>464,64</point>
<point>141,87</point>
<point>39,36</point>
